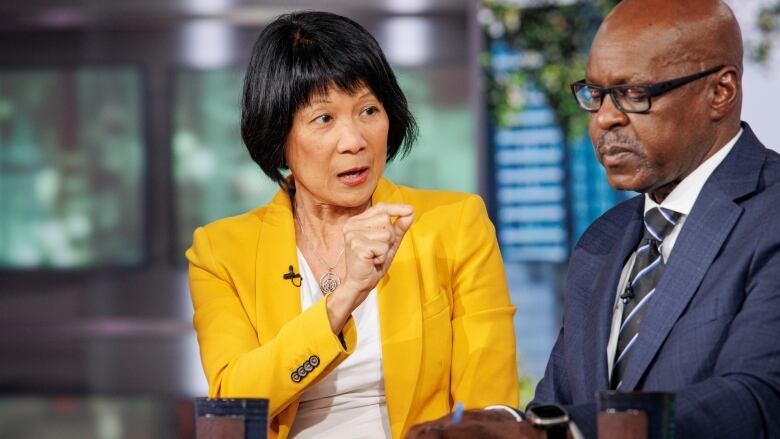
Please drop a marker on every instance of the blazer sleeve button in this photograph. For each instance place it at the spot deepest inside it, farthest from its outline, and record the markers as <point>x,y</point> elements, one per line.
<point>295,377</point>
<point>307,366</point>
<point>302,372</point>
<point>314,360</point>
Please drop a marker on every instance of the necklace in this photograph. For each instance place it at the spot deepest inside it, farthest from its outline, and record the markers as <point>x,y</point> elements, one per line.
<point>330,280</point>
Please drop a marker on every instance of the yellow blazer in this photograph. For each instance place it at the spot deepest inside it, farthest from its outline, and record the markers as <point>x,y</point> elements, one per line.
<point>444,312</point>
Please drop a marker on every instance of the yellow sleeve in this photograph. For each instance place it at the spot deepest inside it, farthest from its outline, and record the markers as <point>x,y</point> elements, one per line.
<point>235,363</point>
<point>484,370</point>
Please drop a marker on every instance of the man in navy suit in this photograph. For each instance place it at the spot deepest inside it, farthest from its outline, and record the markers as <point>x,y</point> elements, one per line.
<point>677,289</point>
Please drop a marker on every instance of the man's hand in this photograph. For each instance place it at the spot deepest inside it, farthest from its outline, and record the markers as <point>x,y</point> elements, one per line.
<point>483,424</point>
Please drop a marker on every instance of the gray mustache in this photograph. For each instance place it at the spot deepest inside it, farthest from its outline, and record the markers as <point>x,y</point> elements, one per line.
<point>614,137</point>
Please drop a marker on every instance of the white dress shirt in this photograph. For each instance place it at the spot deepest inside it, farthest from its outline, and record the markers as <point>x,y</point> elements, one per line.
<point>681,200</point>
<point>350,401</point>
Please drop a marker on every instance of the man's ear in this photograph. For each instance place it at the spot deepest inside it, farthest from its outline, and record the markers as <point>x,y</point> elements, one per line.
<point>725,93</point>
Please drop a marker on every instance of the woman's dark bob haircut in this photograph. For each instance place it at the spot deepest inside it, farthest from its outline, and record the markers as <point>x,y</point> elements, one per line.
<point>301,55</point>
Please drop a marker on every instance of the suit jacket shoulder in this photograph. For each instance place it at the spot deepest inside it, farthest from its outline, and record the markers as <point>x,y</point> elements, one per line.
<point>229,241</point>
<point>599,237</point>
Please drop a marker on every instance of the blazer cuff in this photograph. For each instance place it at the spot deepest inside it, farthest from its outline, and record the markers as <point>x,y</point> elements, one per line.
<point>320,331</point>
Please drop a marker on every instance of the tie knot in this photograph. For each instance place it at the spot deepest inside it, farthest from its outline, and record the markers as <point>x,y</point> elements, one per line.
<point>659,222</point>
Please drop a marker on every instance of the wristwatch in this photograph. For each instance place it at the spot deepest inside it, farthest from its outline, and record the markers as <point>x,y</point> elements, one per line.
<point>551,418</point>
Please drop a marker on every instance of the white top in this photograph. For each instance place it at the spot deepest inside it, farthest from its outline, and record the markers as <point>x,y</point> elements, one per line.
<point>350,401</point>
<point>680,200</point>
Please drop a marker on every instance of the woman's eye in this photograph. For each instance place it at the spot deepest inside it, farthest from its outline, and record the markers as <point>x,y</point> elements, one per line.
<point>370,110</point>
<point>323,118</point>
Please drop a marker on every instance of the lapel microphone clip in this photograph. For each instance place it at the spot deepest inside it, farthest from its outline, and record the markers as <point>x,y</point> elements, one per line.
<point>293,277</point>
<point>627,295</point>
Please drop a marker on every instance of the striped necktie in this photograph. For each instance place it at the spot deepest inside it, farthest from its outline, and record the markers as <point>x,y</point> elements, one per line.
<point>647,270</point>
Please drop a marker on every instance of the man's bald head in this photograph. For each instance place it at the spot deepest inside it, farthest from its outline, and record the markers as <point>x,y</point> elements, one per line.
<point>700,32</point>
<point>654,41</point>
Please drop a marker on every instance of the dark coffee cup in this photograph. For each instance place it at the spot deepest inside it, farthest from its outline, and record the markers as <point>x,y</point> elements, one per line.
<point>630,424</point>
<point>658,407</point>
<point>217,418</point>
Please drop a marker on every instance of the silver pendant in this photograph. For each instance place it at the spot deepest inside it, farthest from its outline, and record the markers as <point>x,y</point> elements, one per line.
<point>329,282</point>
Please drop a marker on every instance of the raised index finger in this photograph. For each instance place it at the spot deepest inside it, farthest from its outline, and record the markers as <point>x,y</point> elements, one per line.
<point>392,209</point>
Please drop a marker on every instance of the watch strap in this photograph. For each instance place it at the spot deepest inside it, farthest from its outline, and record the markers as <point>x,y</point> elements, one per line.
<point>557,431</point>
<point>517,415</point>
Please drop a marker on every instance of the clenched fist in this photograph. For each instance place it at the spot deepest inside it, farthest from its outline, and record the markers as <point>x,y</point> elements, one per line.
<point>371,241</point>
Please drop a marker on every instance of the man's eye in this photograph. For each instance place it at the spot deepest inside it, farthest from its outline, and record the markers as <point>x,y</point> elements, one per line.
<point>634,93</point>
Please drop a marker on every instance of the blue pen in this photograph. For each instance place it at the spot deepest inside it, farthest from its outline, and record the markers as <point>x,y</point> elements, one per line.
<point>457,415</point>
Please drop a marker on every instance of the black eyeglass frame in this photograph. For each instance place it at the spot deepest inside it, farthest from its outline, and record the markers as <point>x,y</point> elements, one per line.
<point>651,90</point>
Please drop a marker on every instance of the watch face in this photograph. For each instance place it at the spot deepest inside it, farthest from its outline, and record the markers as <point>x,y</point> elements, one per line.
<point>546,416</point>
<point>548,411</point>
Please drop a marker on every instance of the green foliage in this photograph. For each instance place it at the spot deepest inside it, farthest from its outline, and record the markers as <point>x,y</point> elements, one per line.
<point>527,388</point>
<point>769,27</point>
<point>554,41</point>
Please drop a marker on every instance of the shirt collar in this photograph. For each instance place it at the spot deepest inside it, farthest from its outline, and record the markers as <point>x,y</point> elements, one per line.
<point>684,195</point>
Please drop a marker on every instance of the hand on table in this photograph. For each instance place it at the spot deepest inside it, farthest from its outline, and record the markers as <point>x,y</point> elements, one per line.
<point>483,424</point>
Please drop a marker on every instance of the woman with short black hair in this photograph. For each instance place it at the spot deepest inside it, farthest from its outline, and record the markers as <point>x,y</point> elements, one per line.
<point>302,55</point>
<point>358,307</point>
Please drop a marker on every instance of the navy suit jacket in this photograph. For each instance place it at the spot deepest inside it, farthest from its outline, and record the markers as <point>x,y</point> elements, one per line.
<point>711,334</point>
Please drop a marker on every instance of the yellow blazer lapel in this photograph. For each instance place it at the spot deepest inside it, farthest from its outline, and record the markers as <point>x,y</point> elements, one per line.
<point>400,320</point>
<point>278,300</point>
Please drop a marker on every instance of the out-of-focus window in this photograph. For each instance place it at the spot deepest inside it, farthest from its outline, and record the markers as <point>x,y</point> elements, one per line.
<point>444,156</point>
<point>213,173</point>
<point>215,177</point>
<point>97,417</point>
<point>71,167</point>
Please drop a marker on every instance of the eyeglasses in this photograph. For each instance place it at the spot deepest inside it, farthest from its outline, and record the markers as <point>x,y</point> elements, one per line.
<point>629,98</point>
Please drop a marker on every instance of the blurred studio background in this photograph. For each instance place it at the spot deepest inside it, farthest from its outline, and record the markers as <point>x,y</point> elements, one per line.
<point>119,135</point>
